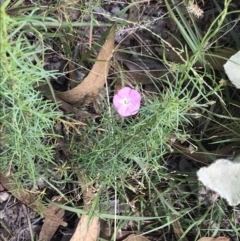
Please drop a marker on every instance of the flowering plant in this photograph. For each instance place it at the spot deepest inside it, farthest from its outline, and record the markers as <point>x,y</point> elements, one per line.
<point>127,101</point>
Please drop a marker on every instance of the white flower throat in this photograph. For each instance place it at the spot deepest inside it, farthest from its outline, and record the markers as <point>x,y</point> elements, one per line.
<point>126,101</point>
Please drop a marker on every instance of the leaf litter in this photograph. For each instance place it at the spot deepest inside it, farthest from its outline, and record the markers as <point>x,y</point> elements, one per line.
<point>88,227</point>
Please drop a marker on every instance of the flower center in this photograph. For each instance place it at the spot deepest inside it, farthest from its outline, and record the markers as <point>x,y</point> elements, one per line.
<point>126,101</point>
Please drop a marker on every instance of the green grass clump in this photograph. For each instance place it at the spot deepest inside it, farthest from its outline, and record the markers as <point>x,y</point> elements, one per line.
<point>26,120</point>
<point>117,147</point>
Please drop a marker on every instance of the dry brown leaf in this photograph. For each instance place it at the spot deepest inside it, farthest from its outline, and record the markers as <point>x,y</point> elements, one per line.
<point>214,239</point>
<point>204,157</point>
<point>64,105</point>
<point>138,75</point>
<point>87,189</point>
<point>106,229</point>
<point>206,239</point>
<point>87,229</point>
<point>73,84</point>
<point>91,86</point>
<point>177,228</point>
<point>135,237</point>
<point>52,214</point>
<point>27,198</point>
<point>1,187</point>
<point>53,219</point>
<point>216,59</point>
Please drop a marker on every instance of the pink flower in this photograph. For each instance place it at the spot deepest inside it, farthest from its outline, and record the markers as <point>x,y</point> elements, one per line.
<point>127,101</point>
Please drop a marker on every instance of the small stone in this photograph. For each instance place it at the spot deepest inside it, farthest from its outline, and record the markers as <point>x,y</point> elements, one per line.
<point>4,196</point>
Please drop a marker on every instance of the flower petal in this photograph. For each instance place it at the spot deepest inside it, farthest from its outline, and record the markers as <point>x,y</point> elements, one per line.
<point>118,101</point>
<point>136,96</point>
<point>133,108</point>
<point>125,92</point>
<point>123,111</point>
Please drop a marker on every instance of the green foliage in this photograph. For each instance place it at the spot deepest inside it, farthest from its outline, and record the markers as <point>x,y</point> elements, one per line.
<point>26,119</point>
<point>192,107</point>
<point>116,148</point>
